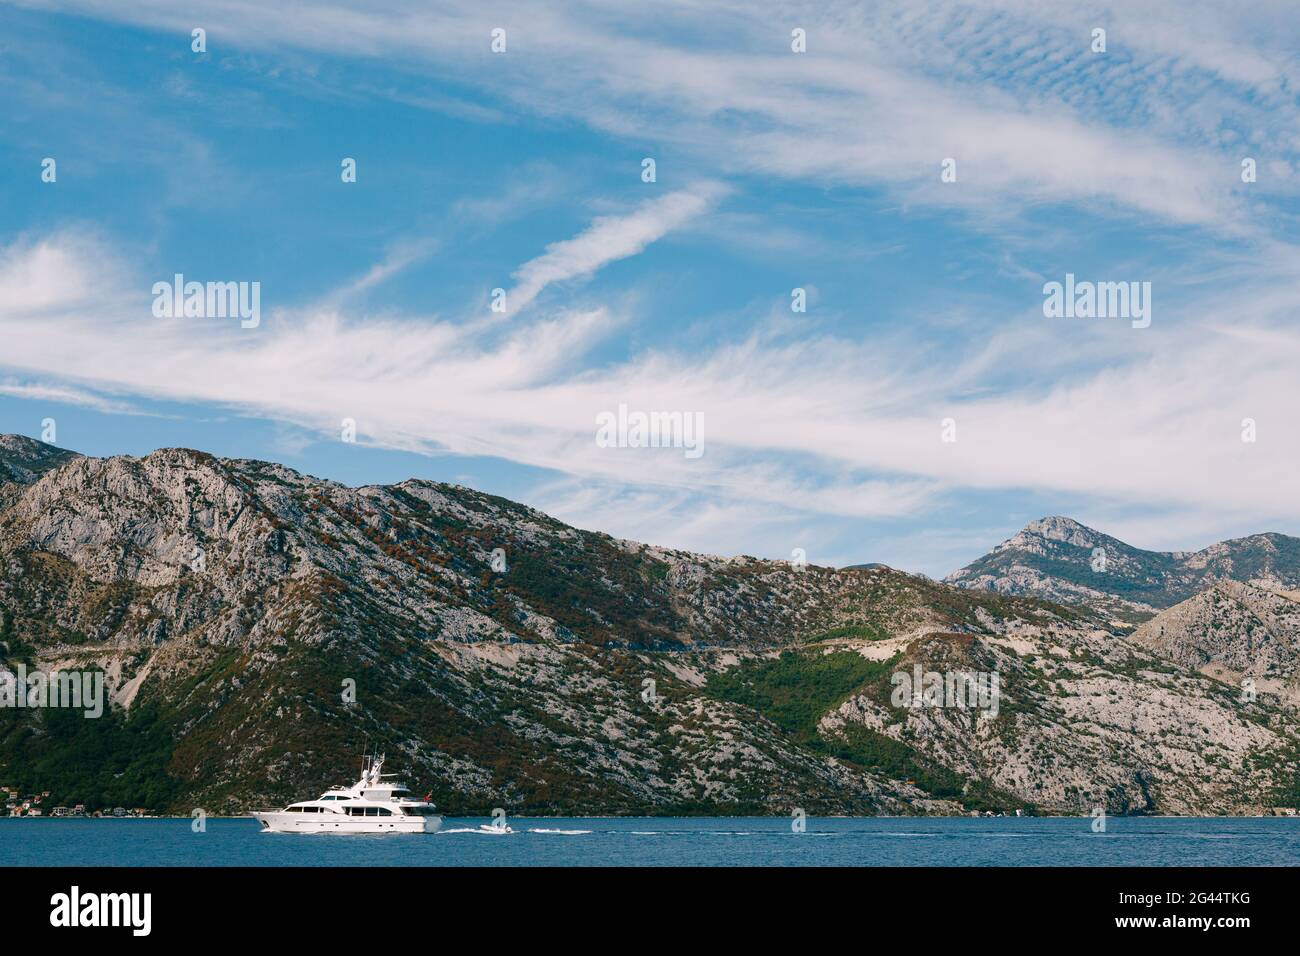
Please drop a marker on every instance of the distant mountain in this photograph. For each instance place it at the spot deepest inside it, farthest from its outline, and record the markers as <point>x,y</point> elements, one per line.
<point>258,627</point>
<point>1059,559</point>
<point>23,460</point>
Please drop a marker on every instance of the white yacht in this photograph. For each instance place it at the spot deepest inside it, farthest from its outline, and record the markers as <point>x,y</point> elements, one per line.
<point>371,805</point>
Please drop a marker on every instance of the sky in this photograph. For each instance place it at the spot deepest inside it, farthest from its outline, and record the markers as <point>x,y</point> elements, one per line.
<point>920,170</point>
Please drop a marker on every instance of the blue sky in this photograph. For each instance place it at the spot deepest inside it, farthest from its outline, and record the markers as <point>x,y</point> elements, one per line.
<point>775,170</point>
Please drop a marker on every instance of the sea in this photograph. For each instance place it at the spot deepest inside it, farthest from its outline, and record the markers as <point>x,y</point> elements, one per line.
<point>670,841</point>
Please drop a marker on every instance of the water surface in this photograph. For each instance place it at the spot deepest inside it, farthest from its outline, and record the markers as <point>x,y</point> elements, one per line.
<point>669,841</point>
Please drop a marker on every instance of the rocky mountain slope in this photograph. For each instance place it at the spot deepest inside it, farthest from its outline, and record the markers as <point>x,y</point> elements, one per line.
<point>1058,559</point>
<point>1233,630</point>
<point>258,627</point>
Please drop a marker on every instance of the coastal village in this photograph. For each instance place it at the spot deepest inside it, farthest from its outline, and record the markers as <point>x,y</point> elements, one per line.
<point>31,805</point>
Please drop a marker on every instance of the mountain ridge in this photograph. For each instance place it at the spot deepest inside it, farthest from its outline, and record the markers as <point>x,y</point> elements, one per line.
<point>1059,559</point>
<point>257,626</point>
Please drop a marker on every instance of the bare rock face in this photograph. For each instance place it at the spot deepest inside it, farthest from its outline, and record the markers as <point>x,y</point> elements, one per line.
<point>258,627</point>
<point>1084,721</point>
<point>137,519</point>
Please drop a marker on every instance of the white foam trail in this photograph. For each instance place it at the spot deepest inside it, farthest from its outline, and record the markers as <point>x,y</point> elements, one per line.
<point>495,831</point>
<point>564,832</point>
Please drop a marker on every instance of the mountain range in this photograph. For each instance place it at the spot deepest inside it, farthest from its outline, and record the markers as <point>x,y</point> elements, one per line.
<point>1059,559</point>
<point>258,628</point>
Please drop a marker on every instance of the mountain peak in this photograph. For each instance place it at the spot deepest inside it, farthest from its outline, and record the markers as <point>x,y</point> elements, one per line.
<point>1057,528</point>
<point>1055,525</point>
<point>1054,521</point>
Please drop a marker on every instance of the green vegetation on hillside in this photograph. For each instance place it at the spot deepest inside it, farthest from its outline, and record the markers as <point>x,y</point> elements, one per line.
<point>1284,767</point>
<point>104,762</point>
<point>798,688</point>
<point>869,632</point>
<point>868,748</point>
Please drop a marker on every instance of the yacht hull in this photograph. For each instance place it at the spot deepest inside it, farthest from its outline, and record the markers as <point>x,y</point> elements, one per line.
<point>278,821</point>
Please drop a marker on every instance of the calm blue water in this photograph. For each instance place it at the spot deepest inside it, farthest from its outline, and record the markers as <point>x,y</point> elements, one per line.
<point>674,841</point>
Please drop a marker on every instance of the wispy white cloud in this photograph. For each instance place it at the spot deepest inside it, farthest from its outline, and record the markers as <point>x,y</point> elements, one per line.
<point>64,395</point>
<point>52,272</point>
<point>609,239</point>
<point>1009,88</point>
<point>814,426</point>
<point>802,429</point>
<point>400,257</point>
